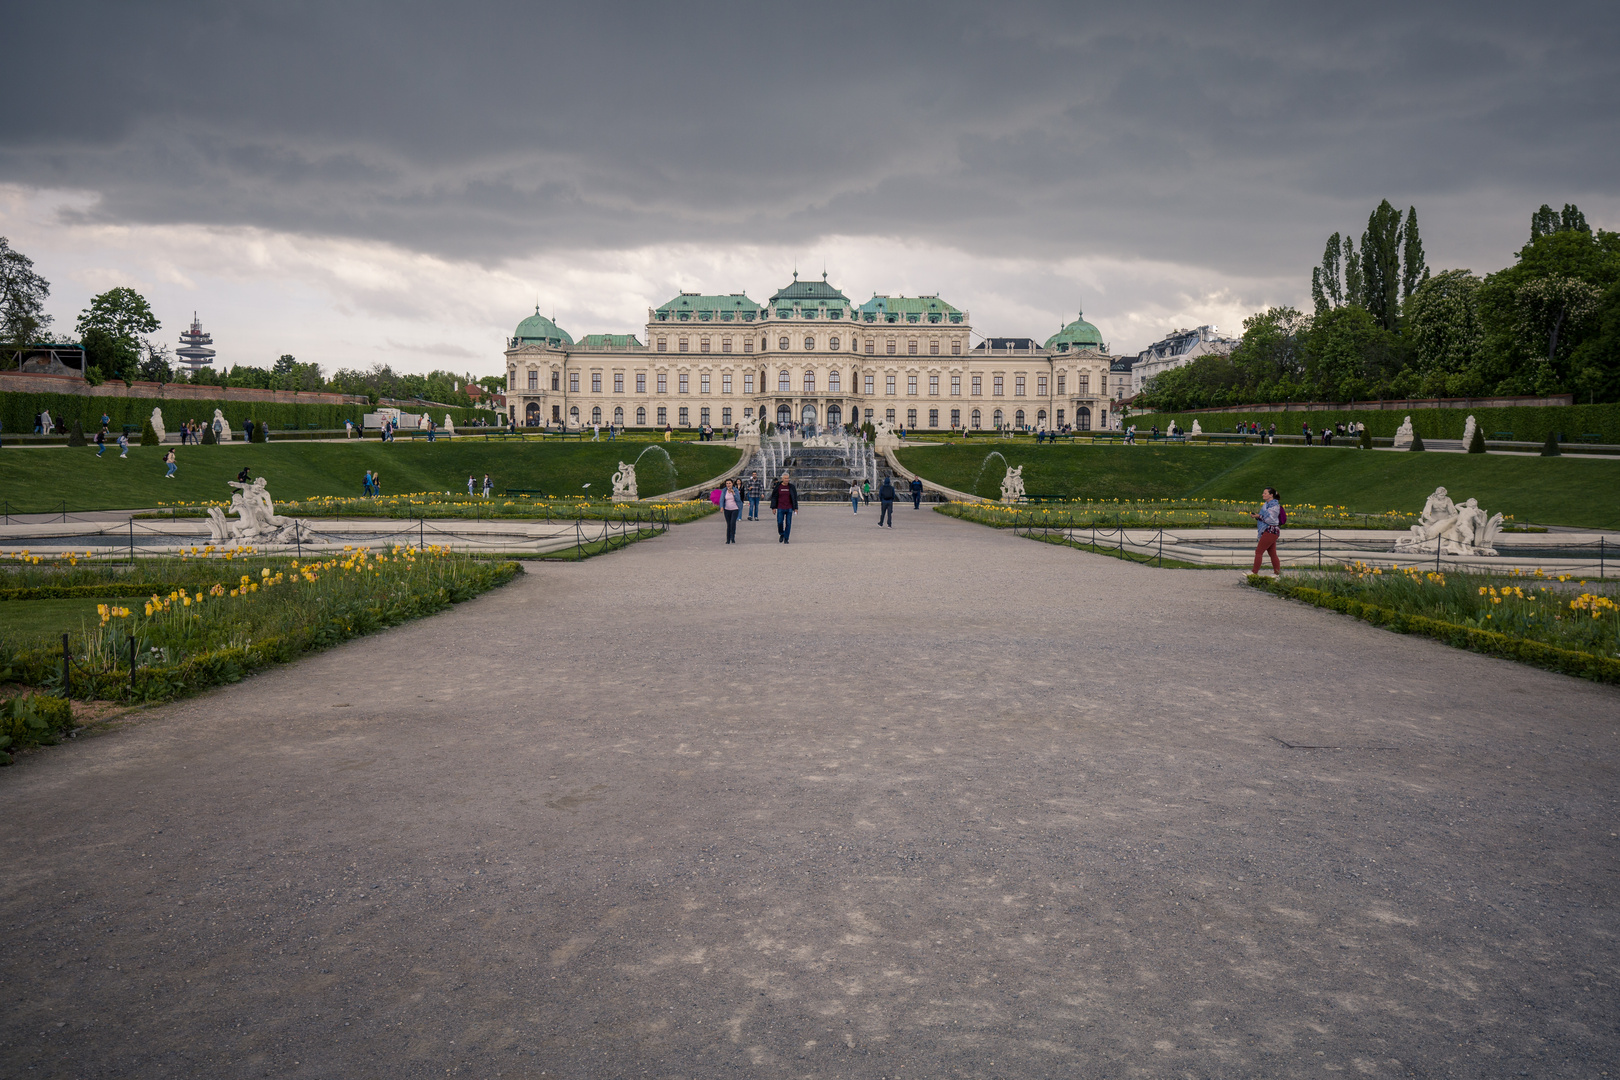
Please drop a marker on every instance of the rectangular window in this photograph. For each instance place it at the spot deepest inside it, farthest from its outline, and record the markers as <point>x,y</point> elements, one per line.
<point>1102,385</point>
<point>911,418</point>
<point>748,413</point>
<point>1040,386</point>
<point>956,348</point>
<point>998,385</point>
<point>889,416</point>
<point>683,344</point>
<point>703,344</point>
<point>891,346</point>
<point>683,384</point>
<point>725,384</point>
<point>1061,380</point>
<point>534,380</point>
<point>573,382</point>
<point>725,416</point>
<point>911,347</point>
<point>956,418</point>
<point>977,385</point>
<point>933,386</point>
<point>956,386</point>
<point>784,382</point>
<point>596,382</point>
<point>663,415</point>
<point>663,345</point>
<point>933,418</point>
<point>1018,386</point>
<point>871,346</point>
<point>748,383</point>
<point>1084,383</point>
<point>663,384</point>
<point>933,350</point>
<point>911,386</point>
<point>748,344</point>
<point>890,381</point>
<point>618,382</point>
<point>703,383</point>
<point>871,384</point>
<point>641,382</point>
<point>686,416</point>
<point>1060,418</point>
<point>725,344</point>
<point>703,415</point>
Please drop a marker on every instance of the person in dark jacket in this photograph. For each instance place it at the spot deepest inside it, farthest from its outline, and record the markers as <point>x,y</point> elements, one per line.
<point>753,492</point>
<point>916,493</point>
<point>886,502</point>
<point>785,501</point>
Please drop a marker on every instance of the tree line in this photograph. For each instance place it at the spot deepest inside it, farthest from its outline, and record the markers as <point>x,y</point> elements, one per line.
<point>115,333</point>
<point>1384,327</point>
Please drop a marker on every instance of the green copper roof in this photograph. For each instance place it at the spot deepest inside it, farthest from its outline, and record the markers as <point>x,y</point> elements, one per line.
<point>908,309</point>
<point>610,341</point>
<point>696,307</point>
<point>1077,335</point>
<point>539,330</point>
<point>809,293</point>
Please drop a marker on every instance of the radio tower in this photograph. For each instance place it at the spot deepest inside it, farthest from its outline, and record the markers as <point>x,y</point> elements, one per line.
<point>192,351</point>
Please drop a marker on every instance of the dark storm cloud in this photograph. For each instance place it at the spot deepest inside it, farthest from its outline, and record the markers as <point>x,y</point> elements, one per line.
<point>1214,135</point>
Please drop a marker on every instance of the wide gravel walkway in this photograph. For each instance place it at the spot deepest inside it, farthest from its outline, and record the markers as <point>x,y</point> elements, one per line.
<point>928,802</point>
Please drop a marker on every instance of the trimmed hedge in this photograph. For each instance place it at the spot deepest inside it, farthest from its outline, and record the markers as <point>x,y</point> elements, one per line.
<point>1536,653</point>
<point>1529,423</point>
<point>30,720</point>
<point>17,411</point>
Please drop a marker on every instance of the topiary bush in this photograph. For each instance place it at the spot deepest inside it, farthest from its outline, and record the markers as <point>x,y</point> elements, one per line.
<point>208,435</point>
<point>76,436</point>
<point>1550,447</point>
<point>1476,445</point>
<point>1366,438</point>
<point>1417,442</point>
<point>149,435</point>
<point>261,431</point>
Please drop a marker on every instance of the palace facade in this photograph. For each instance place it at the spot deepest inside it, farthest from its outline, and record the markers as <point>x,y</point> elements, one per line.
<point>811,356</point>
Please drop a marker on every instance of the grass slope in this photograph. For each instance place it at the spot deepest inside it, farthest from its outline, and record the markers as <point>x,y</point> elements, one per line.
<point>1558,491</point>
<point>39,479</point>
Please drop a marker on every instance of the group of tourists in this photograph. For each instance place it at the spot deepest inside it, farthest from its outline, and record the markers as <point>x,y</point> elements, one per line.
<point>738,496</point>
<point>472,486</point>
<point>373,482</point>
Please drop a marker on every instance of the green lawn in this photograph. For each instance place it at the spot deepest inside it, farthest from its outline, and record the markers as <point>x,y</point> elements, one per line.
<point>1555,491</point>
<point>30,622</point>
<point>39,479</point>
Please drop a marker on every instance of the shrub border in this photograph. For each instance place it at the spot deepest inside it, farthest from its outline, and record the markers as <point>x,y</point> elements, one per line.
<point>1489,642</point>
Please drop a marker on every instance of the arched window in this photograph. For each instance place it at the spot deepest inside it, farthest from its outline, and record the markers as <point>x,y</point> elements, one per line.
<point>573,413</point>
<point>973,418</point>
<point>835,416</point>
<point>809,415</point>
<point>784,415</point>
<point>784,382</point>
<point>618,415</point>
<point>596,415</point>
<point>809,343</point>
<point>832,343</point>
<point>1082,418</point>
<point>782,343</point>
<point>996,419</point>
<point>641,417</point>
<point>1040,419</point>
<point>531,414</point>
<point>809,382</point>
<point>1018,419</point>
<point>834,383</point>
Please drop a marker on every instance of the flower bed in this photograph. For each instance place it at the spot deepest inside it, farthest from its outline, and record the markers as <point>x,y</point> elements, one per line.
<point>460,506</point>
<point>1547,622</point>
<point>1181,513</point>
<point>220,616</point>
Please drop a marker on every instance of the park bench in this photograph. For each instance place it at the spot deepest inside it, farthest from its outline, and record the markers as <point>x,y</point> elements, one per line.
<point>1589,437</point>
<point>1502,436</point>
<point>534,493</point>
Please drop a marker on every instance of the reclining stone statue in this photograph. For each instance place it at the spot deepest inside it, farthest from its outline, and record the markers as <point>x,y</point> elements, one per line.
<point>1450,529</point>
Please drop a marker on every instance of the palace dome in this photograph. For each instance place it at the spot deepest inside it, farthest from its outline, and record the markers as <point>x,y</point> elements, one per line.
<point>1075,336</point>
<point>539,330</point>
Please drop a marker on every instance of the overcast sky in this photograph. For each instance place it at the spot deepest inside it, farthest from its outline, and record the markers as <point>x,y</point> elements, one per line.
<point>401,182</point>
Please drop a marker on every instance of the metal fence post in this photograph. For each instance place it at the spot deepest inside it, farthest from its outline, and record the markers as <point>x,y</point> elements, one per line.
<point>132,663</point>
<point>67,658</point>
<point>1600,556</point>
<point>1319,549</point>
<point>132,541</point>
<point>1161,549</point>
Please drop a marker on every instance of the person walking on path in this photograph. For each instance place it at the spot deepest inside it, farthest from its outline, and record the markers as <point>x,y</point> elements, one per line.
<point>1269,524</point>
<point>489,486</point>
<point>366,483</point>
<point>854,497</point>
<point>101,442</point>
<point>785,501</point>
<point>731,506</point>
<point>886,502</point>
<point>916,493</point>
<point>866,492</point>
<point>753,492</point>
<point>668,431</point>
<point>472,482</point>
<point>376,483</point>
<point>168,459</point>
<point>1306,428</point>
<point>123,444</point>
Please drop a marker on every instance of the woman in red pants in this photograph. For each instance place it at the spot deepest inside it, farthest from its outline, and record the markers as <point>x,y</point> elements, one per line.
<point>1269,523</point>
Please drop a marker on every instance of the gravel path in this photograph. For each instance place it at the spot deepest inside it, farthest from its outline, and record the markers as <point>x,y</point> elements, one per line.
<point>925,802</point>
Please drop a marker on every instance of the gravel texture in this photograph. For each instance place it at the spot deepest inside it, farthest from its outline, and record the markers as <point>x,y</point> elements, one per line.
<point>925,802</point>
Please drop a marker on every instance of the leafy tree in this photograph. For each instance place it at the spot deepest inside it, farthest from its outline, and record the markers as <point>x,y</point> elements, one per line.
<point>1414,268</point>
<point>157,366</point>
<point>1381,264</point>
<point>1442,324</point>
<point>1546,221</point>
<point>1327,286</point>
<point>1537,313</point>
<point>1595,363</point>
<point>111,328</point>
<point>1348,355</point>
<point>22,298</point>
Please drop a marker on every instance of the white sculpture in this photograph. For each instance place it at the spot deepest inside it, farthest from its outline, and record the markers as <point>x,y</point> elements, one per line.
<point>749,427</point>
<point>449,425</point>
<point>885,434</point>
<point>624,483</point>
<point>1173,429</point>
<point>1468,432</point>
<point>157,424</point>
<point>1403,435</point>
<point>422,424</point>
<point>1450,529</point>
<point>257,521</point>
<point>1197,429</point>
<point>1012,485</point>
<point>222,427</point>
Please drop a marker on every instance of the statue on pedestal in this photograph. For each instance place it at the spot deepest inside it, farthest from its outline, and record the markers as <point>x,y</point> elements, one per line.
<point>1012,485</point>
<point>222,427</point>
<point>157,424</point>
<point>1450,529</point>
<point>1403,436</point>
<point>624,483</point>
<point>256,519</point>
<point>1197,429</point>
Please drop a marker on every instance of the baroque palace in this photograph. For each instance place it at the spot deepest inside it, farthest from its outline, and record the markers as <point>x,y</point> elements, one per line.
<point>812,357</point>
